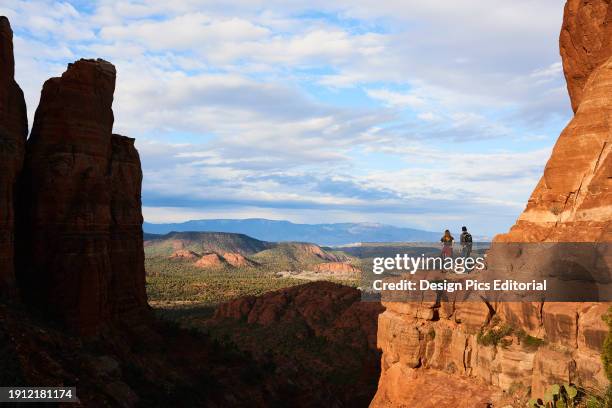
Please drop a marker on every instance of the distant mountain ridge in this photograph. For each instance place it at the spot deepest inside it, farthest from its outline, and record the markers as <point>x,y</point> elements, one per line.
<point>282,231</point>
<point>204,242</point>
<point>217,248</point>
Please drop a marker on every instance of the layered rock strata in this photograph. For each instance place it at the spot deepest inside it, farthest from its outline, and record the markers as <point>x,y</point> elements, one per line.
<point>81,253</point>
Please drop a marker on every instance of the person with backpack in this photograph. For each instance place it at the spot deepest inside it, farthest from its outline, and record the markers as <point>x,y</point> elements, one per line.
<point>447,244</point>
<point>466,242</point>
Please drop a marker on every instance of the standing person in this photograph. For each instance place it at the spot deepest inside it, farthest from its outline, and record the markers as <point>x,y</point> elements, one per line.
<point>447,244</point>
<point>466,242</point>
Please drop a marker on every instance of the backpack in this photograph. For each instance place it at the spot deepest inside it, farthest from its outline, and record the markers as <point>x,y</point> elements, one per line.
<point>467,237</point>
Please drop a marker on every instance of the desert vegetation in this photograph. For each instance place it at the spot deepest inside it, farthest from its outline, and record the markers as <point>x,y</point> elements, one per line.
<point>177,276</point>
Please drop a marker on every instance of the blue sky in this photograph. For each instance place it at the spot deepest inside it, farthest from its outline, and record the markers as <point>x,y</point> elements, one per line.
<point>423,114</point>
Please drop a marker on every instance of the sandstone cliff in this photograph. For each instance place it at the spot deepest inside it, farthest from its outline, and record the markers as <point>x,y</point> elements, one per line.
<point>492,352</point>
<point>127,286</point>
<point>486,353</point>
<point>13,133</point>
<point>66,268</point>
<point>585,42</point>
<point>81,257</point>
<point>573,200</point>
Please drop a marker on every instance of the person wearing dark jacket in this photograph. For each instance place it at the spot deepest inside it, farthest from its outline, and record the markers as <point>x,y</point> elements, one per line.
<point>466,242</point>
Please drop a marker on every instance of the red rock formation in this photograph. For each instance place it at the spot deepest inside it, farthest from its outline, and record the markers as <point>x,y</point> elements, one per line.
<point>316,250</point>
<point>184,254</point>
<point>210,261</point>
<point>67,269</point>
<point>13,133</point>
<point>82,258</point>
<point>319,335</point>
<point>326,308</point>
<point>585,42</point>
<point>127,291</point>
<point>340,268</point>
<point>565,346</point>
<point>237,260</point>
<point>573,200</point>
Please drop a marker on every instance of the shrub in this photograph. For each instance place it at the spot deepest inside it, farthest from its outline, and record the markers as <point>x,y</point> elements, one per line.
<point>606,355</point>
<point>529,342</point>
<point>556,396</point>
<point>493,336</point>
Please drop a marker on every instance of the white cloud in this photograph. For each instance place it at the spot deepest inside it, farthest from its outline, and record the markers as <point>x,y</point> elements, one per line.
<point>397,99</point>
<point>318,105</point>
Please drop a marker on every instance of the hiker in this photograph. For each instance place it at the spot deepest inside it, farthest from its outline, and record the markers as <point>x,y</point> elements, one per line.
<point>466,242</point>
<point>447,244</point>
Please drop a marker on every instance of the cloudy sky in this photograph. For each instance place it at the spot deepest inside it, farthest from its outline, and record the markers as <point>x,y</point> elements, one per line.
<point>428,114</point>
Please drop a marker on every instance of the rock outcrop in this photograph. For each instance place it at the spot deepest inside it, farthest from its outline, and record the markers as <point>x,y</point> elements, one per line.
<point>320,337</point>
<point>340,268</point>
<point>81,257</point>
<point>237,260</point>
<point>185,254</point>
<point>585,43</point>
<point>573,200</point>
<point>326,308</point>
<point>210,261</point>
<point>13,133</point>
<point>66,258</point>
<point>516,347</point>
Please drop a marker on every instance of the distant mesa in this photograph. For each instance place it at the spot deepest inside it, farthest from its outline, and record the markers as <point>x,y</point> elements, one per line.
<point>203,242</point>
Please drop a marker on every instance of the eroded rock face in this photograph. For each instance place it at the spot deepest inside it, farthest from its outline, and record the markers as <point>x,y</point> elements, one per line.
<point>127,291</point>
<point>573,200</point>
<point>13,133</point>
<point>565,346</point>
<point>585,42</point>
<point>67,268</point>
<point>81,253</point>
